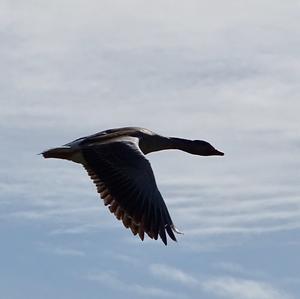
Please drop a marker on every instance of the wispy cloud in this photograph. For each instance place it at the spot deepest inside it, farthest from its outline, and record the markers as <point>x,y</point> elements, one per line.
<point>67,252</point>
<point>222,286</point>
<point>231,267</point>
<point>229,287</point>
<point>238,270</point>
<point>172,274</point>
<point>62,251</point>
<point>124,258</point>
<point>245,230</point>
<point>230,215</point>
<point>76,229</point>
<point>111,280</point>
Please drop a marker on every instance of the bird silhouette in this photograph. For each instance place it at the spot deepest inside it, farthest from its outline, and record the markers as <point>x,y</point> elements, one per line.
<point>115,160</point>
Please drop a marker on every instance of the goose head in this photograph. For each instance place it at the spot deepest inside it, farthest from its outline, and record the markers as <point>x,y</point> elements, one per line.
<point>203,148</point>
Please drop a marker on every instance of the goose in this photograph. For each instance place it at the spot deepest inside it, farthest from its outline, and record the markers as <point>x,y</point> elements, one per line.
<point>115,161</point>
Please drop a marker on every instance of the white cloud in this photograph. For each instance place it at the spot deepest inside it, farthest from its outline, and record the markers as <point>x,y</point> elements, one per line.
<point>172,274</point>
<point>231,267</point>
<point>229,287</point>
<point>62,251</point>
<point>238,270</point>
<point>223,286</point>
<point>124,258</point>
<point>111,280</point>
<point>68,252</point>
<point>244,230</point>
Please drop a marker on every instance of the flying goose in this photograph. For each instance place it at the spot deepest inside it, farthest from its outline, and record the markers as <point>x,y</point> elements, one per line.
<point>115,160</point>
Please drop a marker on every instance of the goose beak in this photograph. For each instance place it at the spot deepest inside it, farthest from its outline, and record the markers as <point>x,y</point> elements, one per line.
<point>218,153</point>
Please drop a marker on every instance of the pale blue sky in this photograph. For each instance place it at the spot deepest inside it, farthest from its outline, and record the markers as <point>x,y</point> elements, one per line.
<point>223,71</point>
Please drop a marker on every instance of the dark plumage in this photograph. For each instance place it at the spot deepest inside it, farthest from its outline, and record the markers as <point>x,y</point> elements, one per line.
<point>115,161</point>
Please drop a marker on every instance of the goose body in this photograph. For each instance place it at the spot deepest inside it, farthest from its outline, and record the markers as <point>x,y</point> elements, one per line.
<point>115,160</point>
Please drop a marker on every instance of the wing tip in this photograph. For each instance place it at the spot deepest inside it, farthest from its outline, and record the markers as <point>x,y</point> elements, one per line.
<point>175,229</point>
<point>171,229</point>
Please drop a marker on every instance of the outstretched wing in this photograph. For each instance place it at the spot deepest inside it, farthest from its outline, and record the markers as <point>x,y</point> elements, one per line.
<point>125,180</point>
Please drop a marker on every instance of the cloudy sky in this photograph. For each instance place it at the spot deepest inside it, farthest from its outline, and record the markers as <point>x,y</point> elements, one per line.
<point>223,71</point>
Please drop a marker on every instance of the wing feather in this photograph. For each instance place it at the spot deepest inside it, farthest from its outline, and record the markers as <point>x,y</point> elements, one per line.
<point>125,180</point>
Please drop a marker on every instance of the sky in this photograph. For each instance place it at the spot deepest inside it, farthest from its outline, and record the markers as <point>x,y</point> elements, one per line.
<point>222,71</point>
